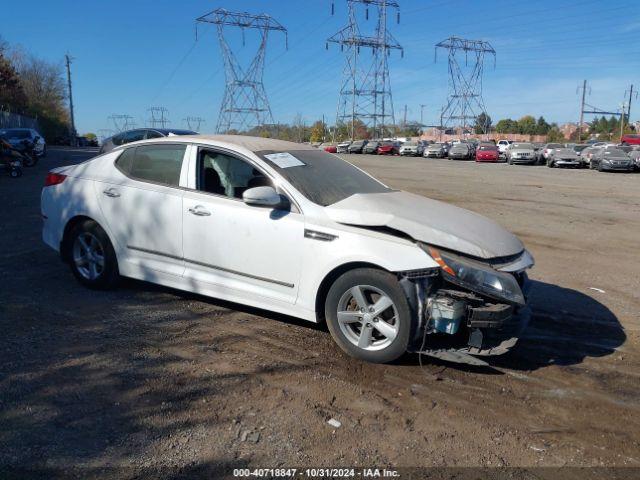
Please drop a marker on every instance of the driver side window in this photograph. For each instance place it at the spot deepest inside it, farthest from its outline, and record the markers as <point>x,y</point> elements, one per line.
<point>223,174</point>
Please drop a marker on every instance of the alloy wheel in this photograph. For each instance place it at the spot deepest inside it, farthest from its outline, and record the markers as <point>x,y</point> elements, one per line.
<point>88,256</point>
<point>368,317</point>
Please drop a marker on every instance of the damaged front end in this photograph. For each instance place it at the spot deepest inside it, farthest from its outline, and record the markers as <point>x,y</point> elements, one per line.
<point>468,308</point>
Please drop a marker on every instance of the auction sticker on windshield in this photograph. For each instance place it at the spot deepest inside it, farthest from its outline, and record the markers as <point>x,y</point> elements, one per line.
<point>284,160</point>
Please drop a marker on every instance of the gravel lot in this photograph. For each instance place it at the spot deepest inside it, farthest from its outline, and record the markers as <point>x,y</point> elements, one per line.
<point>146,379</point>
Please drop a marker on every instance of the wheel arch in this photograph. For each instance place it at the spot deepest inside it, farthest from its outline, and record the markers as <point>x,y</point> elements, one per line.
<point>68,228</point>
<point>332,276</point>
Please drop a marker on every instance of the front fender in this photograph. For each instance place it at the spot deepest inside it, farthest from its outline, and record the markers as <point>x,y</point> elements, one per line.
<point>323,257</point>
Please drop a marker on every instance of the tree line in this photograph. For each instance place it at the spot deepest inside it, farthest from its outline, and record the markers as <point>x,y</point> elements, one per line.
<point>35,88</point>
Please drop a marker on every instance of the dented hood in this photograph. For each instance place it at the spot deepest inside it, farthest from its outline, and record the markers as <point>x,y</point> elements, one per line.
<point>428,221</point>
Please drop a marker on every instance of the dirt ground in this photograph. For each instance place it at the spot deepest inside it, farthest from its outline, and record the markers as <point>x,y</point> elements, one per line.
<point>143,378</point>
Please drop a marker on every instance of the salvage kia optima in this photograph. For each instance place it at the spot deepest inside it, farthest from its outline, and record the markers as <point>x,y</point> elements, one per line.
<point>293,229</point>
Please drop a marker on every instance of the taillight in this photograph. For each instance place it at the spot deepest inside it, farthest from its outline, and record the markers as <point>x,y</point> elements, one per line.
<point>54,179</point>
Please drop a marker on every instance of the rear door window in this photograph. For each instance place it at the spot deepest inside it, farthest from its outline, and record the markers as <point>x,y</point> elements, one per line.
<point>153,163</point>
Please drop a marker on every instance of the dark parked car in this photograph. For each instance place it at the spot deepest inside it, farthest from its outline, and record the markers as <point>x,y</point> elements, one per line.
<point>371,148</point>
<point>140,134</point>
<point>611,159</point>
<point>357,146</point>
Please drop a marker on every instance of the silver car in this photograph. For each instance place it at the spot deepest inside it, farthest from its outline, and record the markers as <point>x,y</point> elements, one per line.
<point>564,157</point>
<point>435,150</point>
<point>343,147</point>
<point>520,153</point>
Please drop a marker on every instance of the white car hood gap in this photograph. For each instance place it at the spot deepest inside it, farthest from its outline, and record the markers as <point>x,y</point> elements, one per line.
<point>428,221</point>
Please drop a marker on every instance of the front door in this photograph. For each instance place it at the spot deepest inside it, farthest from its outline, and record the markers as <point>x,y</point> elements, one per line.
<point>250,250</point>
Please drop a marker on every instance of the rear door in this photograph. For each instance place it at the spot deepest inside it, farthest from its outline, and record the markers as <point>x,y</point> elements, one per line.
<point>142,204</point>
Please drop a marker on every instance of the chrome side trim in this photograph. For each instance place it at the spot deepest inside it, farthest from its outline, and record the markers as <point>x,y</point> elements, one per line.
<point>214,267</point>
<point>154,252</point>
<point>322,236</point>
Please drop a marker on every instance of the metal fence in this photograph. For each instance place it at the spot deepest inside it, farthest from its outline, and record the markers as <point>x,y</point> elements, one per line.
<point>13,120</point>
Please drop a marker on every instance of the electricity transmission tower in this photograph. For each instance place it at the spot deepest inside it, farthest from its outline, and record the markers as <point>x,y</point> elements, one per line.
<point>365,94</point>
<point>158,117</point>
<point>193,123</point>
<point>465,102</point>
<point>122,122</point>
<point>245,102</point>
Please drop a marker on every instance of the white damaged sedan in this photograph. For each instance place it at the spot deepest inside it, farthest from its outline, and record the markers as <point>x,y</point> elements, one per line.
<point>292,229</point>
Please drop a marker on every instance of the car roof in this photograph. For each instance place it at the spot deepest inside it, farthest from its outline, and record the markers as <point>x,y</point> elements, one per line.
<point>254,144</point>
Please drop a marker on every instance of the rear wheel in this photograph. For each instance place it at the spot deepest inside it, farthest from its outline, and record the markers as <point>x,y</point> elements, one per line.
<point>92,258</point>
<point>368,315</point>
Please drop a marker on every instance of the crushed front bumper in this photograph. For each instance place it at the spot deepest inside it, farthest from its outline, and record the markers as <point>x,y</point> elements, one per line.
<point>487,327</point>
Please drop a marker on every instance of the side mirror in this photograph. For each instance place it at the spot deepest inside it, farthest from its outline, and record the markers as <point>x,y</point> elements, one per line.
<point>261,196</point>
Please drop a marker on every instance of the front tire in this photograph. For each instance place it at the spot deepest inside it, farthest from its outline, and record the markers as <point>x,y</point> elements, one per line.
<point>92,258</point>
<point>369,316</point>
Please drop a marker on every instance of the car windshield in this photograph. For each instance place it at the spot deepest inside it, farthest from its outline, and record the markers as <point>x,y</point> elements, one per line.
<point>321,177</point>
<point>527,146</point>
<point>554,145</point>
<point>410,144</point>
<point>488,147</point>
<point>614,152</point>
<point>579,148</point>
<point>15,133</point>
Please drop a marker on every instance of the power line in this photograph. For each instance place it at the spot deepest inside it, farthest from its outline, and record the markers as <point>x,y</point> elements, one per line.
<point>365,94</point>
<point>245,102</point>
<point>158,117</point>
<point>193,123</point>
<point>465,101</point>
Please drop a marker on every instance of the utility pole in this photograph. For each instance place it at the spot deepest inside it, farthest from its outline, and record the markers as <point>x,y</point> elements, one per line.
<point>404,119</point>
<point>74,134</point>
<point>629,103</point>
<point>422,105</point>
<point>584,92</point>
<point>622,108</point>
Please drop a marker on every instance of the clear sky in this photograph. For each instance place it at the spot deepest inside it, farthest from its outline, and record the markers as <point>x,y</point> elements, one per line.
<point>130,55</point>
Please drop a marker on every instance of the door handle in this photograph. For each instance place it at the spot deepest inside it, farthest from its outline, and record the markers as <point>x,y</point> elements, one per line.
<point>111,192</point>
<point>199,211</point>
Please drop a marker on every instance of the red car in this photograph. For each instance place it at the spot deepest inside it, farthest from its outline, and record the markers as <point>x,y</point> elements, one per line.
<point>487,153</point>
<point>389,148</point>
<point>630,139</point>
<point>331,149</point>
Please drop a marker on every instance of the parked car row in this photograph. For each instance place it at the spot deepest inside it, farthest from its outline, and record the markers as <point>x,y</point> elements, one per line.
<point>601,156</point>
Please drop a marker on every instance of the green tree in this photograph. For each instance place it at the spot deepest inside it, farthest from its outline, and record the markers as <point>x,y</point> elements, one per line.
<point>542,127</point>
<point>318,132</point>
<point>527,125</point>
<point>483,123</point>
<point>555,135</point>
<point>506,125</point>
<point>12,96</point>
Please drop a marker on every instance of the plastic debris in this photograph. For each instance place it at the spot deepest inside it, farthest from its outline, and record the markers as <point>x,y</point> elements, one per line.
<point>334,423</point>
<point>597,289</point>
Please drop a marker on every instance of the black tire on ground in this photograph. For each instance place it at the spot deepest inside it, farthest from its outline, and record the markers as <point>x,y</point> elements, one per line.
<point>600,167</point>
<point>109,275</point>
<point>550,164</point>
<point>387,283</point>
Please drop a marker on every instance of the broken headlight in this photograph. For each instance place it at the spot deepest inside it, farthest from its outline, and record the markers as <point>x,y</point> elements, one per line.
<point>476,276</point>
